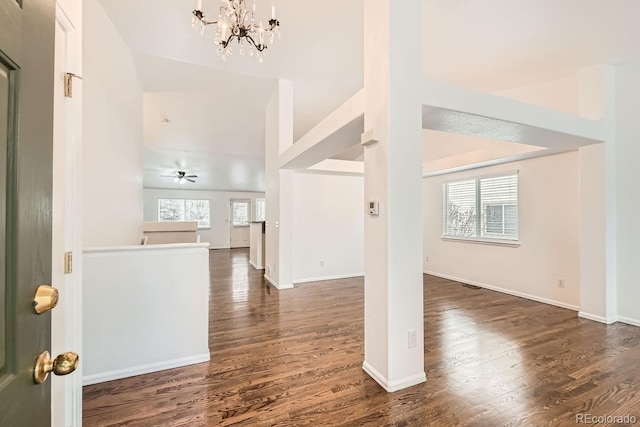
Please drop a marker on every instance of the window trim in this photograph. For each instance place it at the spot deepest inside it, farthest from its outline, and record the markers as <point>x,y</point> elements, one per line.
<point>496,241</point>
<point>482,241</point>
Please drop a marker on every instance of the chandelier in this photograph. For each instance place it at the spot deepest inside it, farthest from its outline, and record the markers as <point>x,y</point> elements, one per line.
<point>236,22</point>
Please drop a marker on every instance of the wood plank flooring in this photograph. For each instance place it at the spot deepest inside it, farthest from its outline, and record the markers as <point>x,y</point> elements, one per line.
<point>294,358</point>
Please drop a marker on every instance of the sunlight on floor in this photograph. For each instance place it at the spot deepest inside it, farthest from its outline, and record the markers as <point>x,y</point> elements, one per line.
<point>489,364</point>
<point>239,277</point>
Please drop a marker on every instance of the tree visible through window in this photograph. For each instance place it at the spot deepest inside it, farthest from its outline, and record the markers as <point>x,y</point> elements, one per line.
<point>240,212</point>
<point>484,208</point>
<point>175,210</point>
<point>261,213</point>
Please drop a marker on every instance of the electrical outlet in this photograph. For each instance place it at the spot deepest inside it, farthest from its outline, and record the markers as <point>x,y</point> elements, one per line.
<point>268,269</point>
<point>321,263</point>
<point>426,259</point>
<point>561,283</point>
<point>413,339</point>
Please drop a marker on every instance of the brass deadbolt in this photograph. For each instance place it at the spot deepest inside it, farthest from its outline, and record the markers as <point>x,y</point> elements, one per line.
<point>46,299</point>
<point>64,364</point>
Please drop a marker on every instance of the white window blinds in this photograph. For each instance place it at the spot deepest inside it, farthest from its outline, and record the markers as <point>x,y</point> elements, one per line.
<point>481,208</point>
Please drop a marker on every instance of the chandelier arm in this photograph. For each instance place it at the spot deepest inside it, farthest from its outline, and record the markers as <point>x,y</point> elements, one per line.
<point>226,43</point>
<point>259,47</point>
<point>244,17</point>
<point>236,11</point>
<point>198,13</point>
<point>208,22</point>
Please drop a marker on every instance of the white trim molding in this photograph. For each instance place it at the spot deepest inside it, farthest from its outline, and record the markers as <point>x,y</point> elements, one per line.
<point>144,369</point>
<point>597,318</point>
<point>276,285</point>
<point>628,321</point>
<point>506,291</point>
<point>322,279</point>
<point>396,385</point>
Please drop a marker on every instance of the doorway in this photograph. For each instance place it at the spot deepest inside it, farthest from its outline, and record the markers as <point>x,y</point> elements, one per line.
<point>240,214</point>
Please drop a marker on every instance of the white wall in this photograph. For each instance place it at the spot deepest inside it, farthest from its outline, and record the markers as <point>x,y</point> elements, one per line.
<point>560,94</point>
<point>548,228</point>
<point>218,235</point>
<point>148,310</point>
<point>328,227</point>
<point>112,135</point>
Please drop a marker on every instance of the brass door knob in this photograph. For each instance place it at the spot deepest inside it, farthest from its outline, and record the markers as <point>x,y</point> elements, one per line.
<point>61,365</point>
<point>46,299</point>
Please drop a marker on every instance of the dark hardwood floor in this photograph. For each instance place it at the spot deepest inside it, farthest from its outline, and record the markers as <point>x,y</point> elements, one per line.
<point>294,357</point>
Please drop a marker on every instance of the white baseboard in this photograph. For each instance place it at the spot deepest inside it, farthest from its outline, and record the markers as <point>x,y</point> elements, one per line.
<point>629,321</point>
<point>320,279</point>
<point>596,318</point>
<point>393,386</point>
<point>257,267</point>
<point>506,291</point>
<point>144,369</point>
<point>276,285</point>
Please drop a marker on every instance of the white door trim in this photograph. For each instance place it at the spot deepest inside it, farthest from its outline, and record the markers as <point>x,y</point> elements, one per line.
<point>66,331</point>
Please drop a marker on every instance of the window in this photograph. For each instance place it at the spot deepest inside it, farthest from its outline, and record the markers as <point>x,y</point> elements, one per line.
<point>261,213</point>
<point>481,208</point>
<point>240,213</point>
<point>173,210</point>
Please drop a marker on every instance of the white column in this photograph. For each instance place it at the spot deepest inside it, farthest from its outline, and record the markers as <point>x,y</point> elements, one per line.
<point>623,175</point>
<point>598,199</point>
<point>393,177</point>
<point>278,192</point>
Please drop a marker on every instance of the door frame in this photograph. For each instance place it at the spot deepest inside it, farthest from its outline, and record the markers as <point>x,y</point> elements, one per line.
<point>66,327</point>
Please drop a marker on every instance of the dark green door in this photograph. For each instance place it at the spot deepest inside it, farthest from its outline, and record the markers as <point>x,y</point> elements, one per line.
<point>26,140</point>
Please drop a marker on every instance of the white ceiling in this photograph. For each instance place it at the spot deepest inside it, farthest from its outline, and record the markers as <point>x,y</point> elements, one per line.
<point>215,108</point>
<point>494,45</point>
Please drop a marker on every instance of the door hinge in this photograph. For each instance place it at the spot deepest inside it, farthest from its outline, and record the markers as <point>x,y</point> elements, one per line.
<point>68,262</point>
<point>68,84</point>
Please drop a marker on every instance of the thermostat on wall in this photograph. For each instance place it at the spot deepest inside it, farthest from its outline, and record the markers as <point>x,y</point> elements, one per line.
<point>373,207</point>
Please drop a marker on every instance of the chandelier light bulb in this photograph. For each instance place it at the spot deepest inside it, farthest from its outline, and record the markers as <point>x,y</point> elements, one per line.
<point>236,23</point>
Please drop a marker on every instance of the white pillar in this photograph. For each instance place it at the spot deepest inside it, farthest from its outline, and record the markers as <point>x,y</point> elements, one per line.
<point>393,177</point>
<point>623,175</point>
<point>598,199</point>
<point>278,191</point>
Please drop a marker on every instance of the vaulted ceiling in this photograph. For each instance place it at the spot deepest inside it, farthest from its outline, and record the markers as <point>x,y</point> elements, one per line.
<point>215,108</point>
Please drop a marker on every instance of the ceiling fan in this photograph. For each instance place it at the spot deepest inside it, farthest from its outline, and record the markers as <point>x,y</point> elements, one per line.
<point>180,177</point>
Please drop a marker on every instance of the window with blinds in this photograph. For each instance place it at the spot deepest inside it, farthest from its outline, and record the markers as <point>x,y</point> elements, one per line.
<point>481,208</point>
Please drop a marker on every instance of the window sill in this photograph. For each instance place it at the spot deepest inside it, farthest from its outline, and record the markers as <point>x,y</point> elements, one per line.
<point>480,241</point>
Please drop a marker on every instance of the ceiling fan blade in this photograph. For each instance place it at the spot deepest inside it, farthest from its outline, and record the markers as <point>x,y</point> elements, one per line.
<point>191,176</point>
<point>190,180</point>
